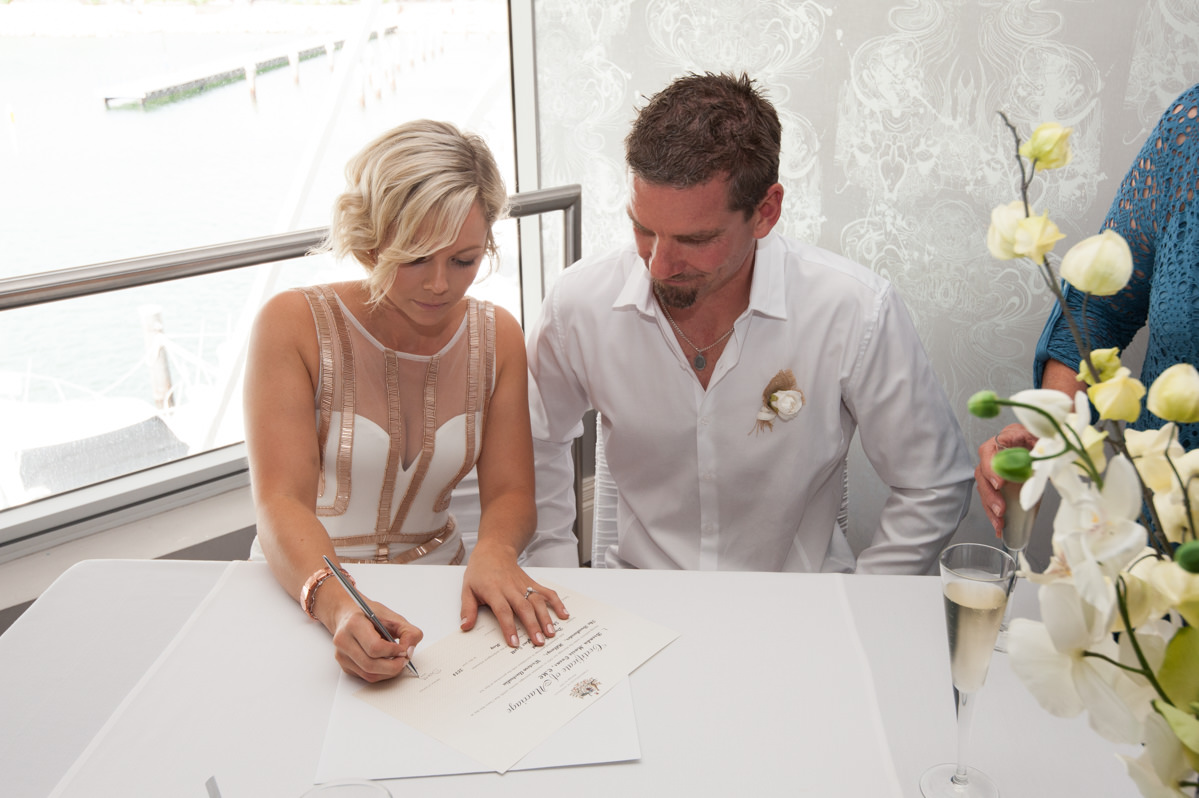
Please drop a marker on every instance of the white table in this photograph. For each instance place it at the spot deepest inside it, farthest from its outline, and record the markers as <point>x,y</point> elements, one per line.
<point>70,661</point>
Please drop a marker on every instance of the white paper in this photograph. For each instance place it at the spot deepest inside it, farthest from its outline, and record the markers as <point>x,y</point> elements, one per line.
<point>365,742</point>
<point>479,698</point>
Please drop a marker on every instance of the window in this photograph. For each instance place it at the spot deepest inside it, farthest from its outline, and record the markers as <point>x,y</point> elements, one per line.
<point>105,160</point>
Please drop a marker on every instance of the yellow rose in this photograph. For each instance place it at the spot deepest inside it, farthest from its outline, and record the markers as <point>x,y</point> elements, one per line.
<point>1106,360</point>
<point>1002,232</point>
<point>1118,398</point>
<point>1035,236</point>
<point>1174,395</point>
<point>1099,265</point>
<point>1049,146</point>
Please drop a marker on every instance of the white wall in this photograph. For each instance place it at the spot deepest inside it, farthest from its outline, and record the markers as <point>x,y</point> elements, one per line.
<point>893,152</point>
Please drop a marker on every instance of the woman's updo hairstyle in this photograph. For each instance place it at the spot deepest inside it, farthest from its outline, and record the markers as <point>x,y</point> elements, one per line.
<point>407,195</point>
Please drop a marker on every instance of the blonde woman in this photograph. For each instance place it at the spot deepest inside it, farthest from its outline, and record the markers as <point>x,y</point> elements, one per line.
<point>367,401</point>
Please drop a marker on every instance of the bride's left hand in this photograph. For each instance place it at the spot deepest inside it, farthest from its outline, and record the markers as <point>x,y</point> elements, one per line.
<point>494,578</point>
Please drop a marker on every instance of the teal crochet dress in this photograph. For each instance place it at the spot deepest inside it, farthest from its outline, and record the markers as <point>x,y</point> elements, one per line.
<point>1157,211</point>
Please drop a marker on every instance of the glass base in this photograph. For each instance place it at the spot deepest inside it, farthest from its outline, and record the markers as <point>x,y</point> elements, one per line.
<point>937,782</point>
<point>349,788</point>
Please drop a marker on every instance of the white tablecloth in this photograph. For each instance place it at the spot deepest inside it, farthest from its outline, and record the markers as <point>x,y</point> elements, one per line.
<point>243,695</point>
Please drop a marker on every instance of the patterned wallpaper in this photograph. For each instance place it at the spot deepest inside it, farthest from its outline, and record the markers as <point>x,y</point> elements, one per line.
<point>893,150</point>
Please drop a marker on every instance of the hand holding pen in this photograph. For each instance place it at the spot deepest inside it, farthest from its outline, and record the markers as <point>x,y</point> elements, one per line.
<point>372,657</point>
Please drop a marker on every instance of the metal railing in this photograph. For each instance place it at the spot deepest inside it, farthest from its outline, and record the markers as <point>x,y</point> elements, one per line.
<point>40,524</point>
<point>16,292</point>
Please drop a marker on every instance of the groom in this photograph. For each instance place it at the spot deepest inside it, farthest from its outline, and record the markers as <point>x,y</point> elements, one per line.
<point>732,366</point>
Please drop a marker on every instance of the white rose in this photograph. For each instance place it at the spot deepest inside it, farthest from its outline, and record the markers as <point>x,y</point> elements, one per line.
<point>787,404</point>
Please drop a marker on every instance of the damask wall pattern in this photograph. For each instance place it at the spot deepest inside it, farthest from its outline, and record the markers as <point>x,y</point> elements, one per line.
<point>894,153</point>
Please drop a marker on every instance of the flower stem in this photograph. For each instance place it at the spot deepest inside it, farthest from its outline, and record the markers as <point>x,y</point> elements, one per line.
<point>1186,498</point>
<point>1025,179</point>
<point>1073,446</point>
<point>1111,661</point>
<point>1157,535</point>
<point>1082,342</point>
<point>1146,671</point>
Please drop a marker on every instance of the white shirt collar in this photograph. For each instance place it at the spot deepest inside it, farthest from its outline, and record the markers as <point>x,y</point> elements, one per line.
<point>767,294</point>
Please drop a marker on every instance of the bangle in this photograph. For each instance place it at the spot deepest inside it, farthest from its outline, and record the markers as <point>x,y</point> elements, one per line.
<point>308,592</point>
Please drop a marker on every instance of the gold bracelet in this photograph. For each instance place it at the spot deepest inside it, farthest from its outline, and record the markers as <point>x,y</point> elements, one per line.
<point>308,592</point>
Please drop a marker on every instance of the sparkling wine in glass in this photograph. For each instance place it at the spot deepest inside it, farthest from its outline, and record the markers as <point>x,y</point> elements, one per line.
<point>1017,529</point>
<point>976,581</point>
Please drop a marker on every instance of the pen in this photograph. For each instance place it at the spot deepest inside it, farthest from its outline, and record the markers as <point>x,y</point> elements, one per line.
<point>361,602</point>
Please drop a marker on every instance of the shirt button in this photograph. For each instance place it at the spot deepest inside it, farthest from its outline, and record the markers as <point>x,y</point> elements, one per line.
<point>705,420</point>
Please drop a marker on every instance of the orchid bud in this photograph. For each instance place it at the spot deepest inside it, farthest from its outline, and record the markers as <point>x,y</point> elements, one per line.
<point>984,404</point>
<point>1099,265</point>
<point>1049,146</point>
<point>1187,556</point>
<point>1174,395</point>
<point>1013,465</point>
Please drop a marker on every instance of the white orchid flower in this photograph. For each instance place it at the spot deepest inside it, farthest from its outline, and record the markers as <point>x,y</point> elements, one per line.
<point>1096,530</point>
<point>1049,659</point>
<point>1057,569</point>
<point>1148,595</point>
<point>1055,403</point>
<point>1150,448</point>
<point>1047,463</point>
<point>1180,588</point>
<point>1171,505</point>
<point>1162,764</point>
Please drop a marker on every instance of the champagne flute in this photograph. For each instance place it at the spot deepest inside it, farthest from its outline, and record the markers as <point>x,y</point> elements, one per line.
<point>1017,529</point>
<point>975,581</point>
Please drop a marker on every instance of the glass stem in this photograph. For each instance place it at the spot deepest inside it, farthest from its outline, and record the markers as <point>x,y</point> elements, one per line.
<point>1007,615</point>
<point>965,712</point>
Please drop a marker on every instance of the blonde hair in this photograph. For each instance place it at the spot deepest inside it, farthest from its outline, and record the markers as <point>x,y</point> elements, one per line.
<point>407,195</point>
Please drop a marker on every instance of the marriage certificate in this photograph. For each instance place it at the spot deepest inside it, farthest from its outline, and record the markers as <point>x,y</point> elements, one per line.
<point>495,703</point>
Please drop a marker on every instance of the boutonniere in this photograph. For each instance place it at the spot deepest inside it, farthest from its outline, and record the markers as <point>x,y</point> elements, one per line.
<point>782,399</point>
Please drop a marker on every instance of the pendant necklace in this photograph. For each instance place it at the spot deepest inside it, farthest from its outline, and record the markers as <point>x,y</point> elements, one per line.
<point>699,362</point>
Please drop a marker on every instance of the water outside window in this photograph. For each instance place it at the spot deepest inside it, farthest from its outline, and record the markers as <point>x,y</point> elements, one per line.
<point>82,181</point>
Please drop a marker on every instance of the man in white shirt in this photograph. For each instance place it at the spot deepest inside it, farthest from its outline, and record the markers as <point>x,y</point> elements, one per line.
<point>698,342</point>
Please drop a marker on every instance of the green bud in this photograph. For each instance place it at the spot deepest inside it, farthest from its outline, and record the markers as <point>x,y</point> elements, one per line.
<point>1187,556</point>
<point>1013,465</point>
<point>984,404</point>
